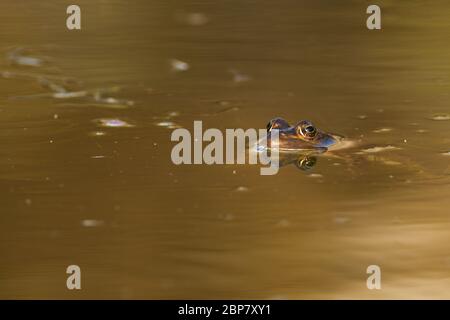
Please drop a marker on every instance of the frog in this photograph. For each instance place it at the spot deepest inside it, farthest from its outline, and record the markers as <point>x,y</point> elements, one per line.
<point>304,143</point>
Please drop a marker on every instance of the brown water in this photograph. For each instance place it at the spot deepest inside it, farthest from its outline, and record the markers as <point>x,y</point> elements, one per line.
<point>110,200</point>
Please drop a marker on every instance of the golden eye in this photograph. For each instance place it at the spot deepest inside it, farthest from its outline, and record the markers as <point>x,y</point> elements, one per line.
<point>307,130</point>
<point>310,130</point>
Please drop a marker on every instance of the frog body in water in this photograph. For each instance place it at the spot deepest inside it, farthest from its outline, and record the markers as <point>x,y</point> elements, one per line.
<point>299,143</point>
<point>303,143</point>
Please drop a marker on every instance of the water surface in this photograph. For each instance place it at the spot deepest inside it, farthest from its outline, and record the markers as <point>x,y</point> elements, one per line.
<point>88,180</point>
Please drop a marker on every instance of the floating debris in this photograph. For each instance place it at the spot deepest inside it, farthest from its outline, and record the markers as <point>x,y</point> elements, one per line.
<point>113,123</point>
<point>241,189</point>
<point>385,161</point>
<point>178,65</point>
<point>69,95</point>
<point>97,133</point>
<point>17,57</point>
<point>168,115</point>
<point>167,124</point>
<point>378,149</point>
<point>239,77</point>
<point>97,157</point>
<point>173,114</point>
<point>440,117</point>
<point>92,223</point>
<point>381,130</point>
<point>111,101</point>
<point>446,153</point>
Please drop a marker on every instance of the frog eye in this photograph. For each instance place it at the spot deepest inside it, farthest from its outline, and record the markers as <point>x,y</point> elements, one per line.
<point>310,130</point>
<point>307,130</point>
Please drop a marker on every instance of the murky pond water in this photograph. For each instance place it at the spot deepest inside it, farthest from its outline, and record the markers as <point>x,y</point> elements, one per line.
<point>86,176</point>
